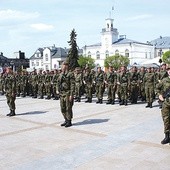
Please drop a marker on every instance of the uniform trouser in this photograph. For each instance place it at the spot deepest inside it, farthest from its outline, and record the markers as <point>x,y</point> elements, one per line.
<point>123,92</point>
<point>149,92</point>
<point>99,91</point>
<point>134,93</point>
<point>111,90</point>
<point>23,88</point>
<point>48,89</point>
<point>89,90</point>
<point>1,88</point>
<point>78,90</point>
<point>166,116</point>
<point>18,88</point>
<point>66,107</point>
<point>142,91</point>
<point>54,90</point>
<point>11,101</point>
<point>34,89</point>
<point>41,89</point>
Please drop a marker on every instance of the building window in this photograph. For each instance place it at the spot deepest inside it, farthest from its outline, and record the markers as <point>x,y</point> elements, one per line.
<point>117,52</point>
<point>33,64</point>
<point>89,54</point>
<point>46,67</point>
<point>97,55</point>
<point>46,57</point>
<point>55,66</point>
<point>126,53</point>
<point>107,53</point>
<point>37,63</point>
<point>146,55</point>
<point>41,63</point>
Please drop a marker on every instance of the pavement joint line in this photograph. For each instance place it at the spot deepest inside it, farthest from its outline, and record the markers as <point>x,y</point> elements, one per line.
<point>81,131</point>
<point>20,131</point>
<point>151,144</point>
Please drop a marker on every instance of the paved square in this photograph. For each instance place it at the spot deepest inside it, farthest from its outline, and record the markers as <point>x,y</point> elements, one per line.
<point>102,137</point>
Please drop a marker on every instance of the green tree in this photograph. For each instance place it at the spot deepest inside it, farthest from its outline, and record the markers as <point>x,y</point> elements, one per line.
<point>116,61</point>
<point>73,52</point>
<point>166,57</point>
<point>84,61</point>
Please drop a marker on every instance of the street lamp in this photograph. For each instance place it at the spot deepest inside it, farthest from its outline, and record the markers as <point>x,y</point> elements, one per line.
<point>160,54</point>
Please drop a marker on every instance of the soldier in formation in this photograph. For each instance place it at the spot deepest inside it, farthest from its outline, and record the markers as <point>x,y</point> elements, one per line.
<point>163,90</point>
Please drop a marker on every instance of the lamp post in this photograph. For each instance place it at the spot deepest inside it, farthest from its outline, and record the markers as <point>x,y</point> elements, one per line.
<point>160,54</point>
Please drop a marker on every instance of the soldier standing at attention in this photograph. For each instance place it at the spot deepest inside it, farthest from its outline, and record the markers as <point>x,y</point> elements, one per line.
<point>66,86</point>
<point>149,80</point>
<point>99,81</point>
<point>123,81</point>
<point>141,84</point>
<point>10,91</point>
<point>78,84</point>
<point>134,85</point>
<point>88,82</point>
<point>161,75</point>
<point>163,90</point>
<point>111,82</point>
<point>54,84</point>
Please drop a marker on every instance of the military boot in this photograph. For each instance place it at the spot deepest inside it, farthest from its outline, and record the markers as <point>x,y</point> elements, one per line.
<point>166,139</point>
<point>101,101</point>
<point>98,101</point>
<point>9,113</point>
<point>63,124</point>
<point>125,102</point>
<point>87,101</point>
<point>148,105</point>
<point>90,100</point>
<point>113,102</point>
<point>122,102</point>
<point>68,124</point>
<point>109,102</point>
<point>12,113</point>
<point>79,99</point>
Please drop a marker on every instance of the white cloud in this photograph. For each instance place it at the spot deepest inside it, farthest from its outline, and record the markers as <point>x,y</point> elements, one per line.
<point>17,15</point>
<point>42,27</point>
<point>140,17</point>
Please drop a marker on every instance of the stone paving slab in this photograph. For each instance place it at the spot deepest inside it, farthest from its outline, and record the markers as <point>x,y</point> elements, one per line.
<point>102,137</point>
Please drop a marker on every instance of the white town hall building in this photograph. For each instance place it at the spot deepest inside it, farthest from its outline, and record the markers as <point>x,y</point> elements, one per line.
<point>112,44</point>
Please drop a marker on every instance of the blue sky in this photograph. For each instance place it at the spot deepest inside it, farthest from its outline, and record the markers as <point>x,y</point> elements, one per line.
<point>29,24</point>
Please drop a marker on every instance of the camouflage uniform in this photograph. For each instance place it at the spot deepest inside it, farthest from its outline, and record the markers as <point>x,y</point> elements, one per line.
<point>78,84</point>
<point>2,81</point>
<point>10,91</point>
<point>123,81</point>
<point>55,85</point>
<point>88,82</point>
<point>41,82</point>
<point>111,84</point>
<point>134,85</point>
<point>163,89</point>
<point>149,80</point>
<point>48,79</point>
<point>141,84</point>
<point>100,86</point>
<point>34,80</point>
<point>66,85</point>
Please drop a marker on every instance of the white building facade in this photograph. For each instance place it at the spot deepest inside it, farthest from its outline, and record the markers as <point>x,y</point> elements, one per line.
<point>112,44</point>
<point>47,58</point>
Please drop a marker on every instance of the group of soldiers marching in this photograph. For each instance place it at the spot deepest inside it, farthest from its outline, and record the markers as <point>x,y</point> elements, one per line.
<point>126,85</point>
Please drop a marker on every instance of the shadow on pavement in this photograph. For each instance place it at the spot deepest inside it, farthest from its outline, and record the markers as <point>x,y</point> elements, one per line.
<point>31,113</point>
<point>91,121</point>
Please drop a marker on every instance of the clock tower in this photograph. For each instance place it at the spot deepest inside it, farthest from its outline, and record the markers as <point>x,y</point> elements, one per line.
<point>109,35</point>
